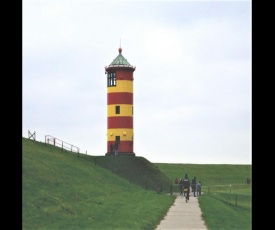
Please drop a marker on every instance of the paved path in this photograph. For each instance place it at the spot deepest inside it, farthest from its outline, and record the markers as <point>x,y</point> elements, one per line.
<point>182,215</point>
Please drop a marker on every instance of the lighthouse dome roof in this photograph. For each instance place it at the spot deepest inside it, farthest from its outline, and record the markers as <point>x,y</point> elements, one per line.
<point>120,61</point>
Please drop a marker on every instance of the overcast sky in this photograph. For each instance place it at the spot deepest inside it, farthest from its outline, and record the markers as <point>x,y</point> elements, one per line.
<point>192,83</point>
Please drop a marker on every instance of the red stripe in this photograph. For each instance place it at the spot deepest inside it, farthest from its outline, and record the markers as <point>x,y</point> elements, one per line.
<point>120,98</point>
<point>124,146</point>
<point>122,73</point>
<point>120,122</point>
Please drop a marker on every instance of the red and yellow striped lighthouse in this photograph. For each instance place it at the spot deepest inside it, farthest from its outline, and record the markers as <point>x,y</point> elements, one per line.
<point>120,108</point>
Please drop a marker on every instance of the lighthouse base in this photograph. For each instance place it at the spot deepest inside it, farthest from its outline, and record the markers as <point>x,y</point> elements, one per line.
<point>120,154</point>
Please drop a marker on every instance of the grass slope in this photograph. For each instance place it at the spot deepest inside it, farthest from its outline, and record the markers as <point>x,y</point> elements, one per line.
<point>63,191</point>
<point>208,174</point>
<point>219,214</point>
<point>137,170</point>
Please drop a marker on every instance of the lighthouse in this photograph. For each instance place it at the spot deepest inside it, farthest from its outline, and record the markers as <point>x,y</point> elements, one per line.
<point>120,106</point>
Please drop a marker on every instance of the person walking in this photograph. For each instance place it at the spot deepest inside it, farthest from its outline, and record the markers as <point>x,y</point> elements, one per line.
<point>194,185</point>
<point>199,188</point>
<point>186,187</point>
<point>181,187</point>
<point>116,148</point>
<point>111,149</point>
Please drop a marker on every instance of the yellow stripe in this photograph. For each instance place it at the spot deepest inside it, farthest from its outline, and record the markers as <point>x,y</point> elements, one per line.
<point>125,110</point>
<point>125,134</point>
<point>121,86</point>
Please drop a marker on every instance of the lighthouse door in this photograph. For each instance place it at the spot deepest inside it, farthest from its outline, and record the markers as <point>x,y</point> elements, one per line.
<point>118,139</point>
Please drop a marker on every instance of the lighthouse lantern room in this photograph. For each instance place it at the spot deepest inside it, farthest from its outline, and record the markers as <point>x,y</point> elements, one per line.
<point>120,108</point>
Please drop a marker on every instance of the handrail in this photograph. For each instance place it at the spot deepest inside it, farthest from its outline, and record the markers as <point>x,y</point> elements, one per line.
<point>59,143</point>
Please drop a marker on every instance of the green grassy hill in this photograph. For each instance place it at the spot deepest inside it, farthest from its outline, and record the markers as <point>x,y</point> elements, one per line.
<point>137,170</point>
<point>208,174</point>
<point>64,190</point>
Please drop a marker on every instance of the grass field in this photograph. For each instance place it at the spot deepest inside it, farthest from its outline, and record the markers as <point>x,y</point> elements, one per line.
<point>208,174</point>
<point>64,190</point>
<point>226,202</point>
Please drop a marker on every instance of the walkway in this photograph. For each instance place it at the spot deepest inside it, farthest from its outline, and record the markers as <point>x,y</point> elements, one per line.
<point>182,215</point>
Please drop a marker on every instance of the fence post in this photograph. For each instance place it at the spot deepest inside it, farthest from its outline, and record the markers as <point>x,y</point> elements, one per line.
<point>171,190</point>
<point>31,135</point>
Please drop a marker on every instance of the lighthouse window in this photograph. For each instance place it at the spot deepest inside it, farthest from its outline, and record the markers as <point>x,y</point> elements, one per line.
<point>117,109</point>
<point>111,81</point>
